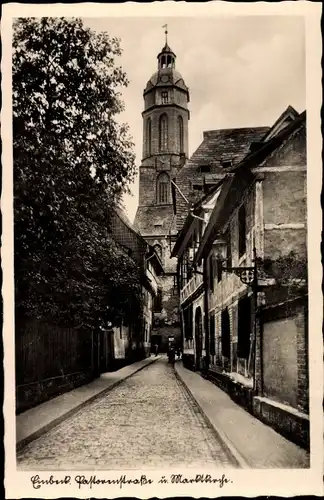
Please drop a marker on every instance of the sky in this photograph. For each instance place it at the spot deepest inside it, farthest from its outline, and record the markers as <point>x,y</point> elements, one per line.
<point>241,71</point>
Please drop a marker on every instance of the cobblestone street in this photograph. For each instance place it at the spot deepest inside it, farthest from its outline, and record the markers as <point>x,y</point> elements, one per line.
<point>149,421</point>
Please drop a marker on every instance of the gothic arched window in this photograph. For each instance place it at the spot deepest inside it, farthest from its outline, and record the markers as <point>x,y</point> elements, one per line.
<point>149,136</point>
<point>180,131</point>
<point>163,188</point>
<point>163,133</point>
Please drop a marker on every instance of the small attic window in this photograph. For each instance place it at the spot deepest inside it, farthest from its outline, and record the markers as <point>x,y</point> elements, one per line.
<point>226,163</point>
<point>204,169</point>
<point>254,146</point>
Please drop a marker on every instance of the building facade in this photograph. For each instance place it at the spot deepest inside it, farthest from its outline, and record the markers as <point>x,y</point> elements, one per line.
<point>251,335</point>
<point>125,342</point>
<point>165,150</point>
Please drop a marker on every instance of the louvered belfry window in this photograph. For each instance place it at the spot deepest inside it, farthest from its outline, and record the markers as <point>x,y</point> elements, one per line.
<point>163,133</point>
<point>163,188</point>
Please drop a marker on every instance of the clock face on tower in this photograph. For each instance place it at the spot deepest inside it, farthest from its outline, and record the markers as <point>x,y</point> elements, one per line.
<point>164,78</point>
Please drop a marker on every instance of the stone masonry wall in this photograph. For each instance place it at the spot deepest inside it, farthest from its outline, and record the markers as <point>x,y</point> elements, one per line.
<point>285,217</point>
<point>173,130</point>
<point>148,182</point>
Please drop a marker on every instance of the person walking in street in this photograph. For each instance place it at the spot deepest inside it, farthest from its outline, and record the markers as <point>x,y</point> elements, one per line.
<point>171,355</point>
<point>156,349</point>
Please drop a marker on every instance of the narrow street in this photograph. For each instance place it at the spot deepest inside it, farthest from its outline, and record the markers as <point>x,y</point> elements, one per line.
<point>148,420</point>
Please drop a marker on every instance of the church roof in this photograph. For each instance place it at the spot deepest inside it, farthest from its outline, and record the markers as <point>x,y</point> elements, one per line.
<point>208,163</point>
<point>156,220</point>
<point>165,77</point>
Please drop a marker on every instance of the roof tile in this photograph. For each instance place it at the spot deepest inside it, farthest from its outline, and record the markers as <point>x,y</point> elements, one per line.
<point>217,146</point>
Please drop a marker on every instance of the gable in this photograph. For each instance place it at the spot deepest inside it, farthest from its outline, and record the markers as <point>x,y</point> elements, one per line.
<point>292,152</point>
<point>285,119</point>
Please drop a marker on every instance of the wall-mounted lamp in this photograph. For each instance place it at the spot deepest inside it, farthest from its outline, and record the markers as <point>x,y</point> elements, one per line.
<point>248,275</point>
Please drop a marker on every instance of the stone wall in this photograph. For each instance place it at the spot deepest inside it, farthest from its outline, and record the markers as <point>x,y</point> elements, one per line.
<point>148,181</point>
<point>173,146</point>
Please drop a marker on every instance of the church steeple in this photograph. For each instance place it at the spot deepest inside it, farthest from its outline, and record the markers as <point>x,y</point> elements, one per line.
<point>165,149</point>
<point>165,115</point>
<point>166,58</point>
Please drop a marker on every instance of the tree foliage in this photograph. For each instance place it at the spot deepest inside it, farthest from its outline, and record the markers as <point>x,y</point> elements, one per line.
<point>72,163</point>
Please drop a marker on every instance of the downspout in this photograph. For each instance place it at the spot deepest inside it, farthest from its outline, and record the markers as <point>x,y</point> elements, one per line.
<point>180,309</point>
<point>206,317</point>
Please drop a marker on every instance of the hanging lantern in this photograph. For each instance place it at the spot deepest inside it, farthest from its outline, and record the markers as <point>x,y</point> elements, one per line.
<point>219,246</point>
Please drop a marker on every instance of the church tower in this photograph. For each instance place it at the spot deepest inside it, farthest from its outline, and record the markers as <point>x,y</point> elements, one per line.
<point>165,150</point>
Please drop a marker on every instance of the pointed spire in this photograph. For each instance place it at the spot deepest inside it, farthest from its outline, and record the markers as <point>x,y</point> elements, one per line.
<point>166,57</point>
<point>165,26</point>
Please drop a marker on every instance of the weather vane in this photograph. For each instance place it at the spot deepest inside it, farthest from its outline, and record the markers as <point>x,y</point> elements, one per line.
<point>166,32</point>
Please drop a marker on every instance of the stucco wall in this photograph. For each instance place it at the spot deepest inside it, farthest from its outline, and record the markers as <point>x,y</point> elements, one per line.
<point>284,196</point>
<point>282,346</point>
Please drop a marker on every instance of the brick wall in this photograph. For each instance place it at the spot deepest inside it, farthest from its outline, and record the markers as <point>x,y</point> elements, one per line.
<point>147,186</point>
